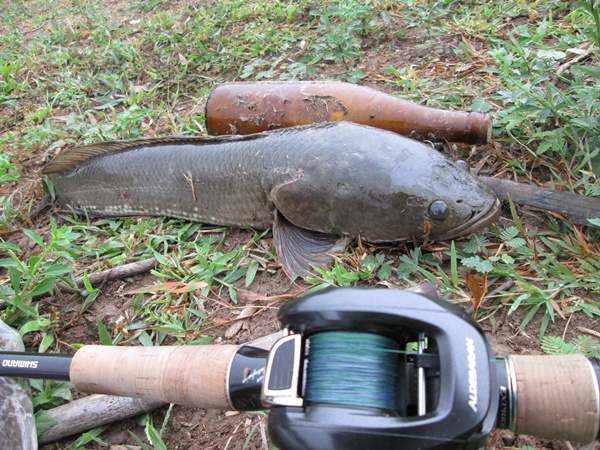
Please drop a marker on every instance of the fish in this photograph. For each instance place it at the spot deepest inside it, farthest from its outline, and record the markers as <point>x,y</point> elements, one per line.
<point>316,186</point>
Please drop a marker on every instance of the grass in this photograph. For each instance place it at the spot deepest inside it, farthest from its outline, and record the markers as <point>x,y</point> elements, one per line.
<point>84,71</point>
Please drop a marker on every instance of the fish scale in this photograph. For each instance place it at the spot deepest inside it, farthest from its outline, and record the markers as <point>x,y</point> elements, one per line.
<point>325,181</point>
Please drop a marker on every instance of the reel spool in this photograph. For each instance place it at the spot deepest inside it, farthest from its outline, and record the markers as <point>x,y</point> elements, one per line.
<point>410,371</point>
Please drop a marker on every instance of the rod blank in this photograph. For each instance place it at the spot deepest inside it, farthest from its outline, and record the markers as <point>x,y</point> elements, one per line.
<point>35,365</point>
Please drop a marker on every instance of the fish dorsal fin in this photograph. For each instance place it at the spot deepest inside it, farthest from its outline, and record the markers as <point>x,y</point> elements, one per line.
<point>73,157</point>
<point>299,249</point>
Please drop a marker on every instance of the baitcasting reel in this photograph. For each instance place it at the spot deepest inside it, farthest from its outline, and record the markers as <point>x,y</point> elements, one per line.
<point>443,388</point>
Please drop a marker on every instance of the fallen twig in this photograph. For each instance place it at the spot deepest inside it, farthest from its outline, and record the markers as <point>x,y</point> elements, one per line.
<point>579,207</point>
<point>126,270</point>
<point>91,412</point>
<point>98,278</point>
<point>236,326</point>
<point>576,59</point>
<point>589,331</point>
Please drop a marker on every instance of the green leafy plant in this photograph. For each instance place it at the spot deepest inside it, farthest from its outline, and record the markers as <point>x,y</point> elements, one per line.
<point>585,345</point>
<point>89,437</point>
<point>153,435</point>
<point>8,82</point>
<point>341,26</point>
<point>35,277</point>
<point>7,175</point>
<point>338,275</point>
<point>48,394</point>
<point>7,170</point>
<point>593,9</point>
<point>548,113</point>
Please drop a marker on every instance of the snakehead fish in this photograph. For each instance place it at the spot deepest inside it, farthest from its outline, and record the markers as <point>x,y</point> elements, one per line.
<point>314,185</point>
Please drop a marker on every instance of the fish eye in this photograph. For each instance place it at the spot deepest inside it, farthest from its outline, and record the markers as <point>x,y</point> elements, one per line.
<point>438,210</point>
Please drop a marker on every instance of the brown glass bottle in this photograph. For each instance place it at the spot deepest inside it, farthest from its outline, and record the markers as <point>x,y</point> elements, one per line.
<point>251,107</point>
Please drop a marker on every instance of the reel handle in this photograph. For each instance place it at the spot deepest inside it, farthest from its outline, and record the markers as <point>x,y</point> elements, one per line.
<point>556,396</point>
<point>188,375</point>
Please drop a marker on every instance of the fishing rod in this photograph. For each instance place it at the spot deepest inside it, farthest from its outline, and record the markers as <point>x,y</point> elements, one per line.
<point>357,368</point>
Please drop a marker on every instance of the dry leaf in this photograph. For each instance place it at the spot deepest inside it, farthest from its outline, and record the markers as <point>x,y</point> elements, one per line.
<point>177,287</point>
<point>477,290</point>
<point>191,287</point>
<point>557,308</point>
<point>156,287</point>
<point>245,297</point>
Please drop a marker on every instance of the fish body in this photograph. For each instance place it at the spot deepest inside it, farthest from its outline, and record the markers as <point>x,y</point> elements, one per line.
<point>309,183</point>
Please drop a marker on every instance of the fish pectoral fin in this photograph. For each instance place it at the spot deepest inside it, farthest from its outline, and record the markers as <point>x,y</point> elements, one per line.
<point>299,248</point>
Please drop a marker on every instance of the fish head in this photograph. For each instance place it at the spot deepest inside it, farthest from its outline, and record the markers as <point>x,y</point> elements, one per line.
<point>406,199</point>
<point>455,202</point>
<point>384,187</point>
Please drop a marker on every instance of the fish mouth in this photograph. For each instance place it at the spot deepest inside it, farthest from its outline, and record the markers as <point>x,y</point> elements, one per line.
<point>478,219</point>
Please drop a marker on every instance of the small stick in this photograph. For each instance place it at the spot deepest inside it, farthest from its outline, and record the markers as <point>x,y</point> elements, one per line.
<point>92,412</point>
<point>123,271</point>
<point>190,180</point>
<point>589,331</point>
<point>236,326</point>
<point>579,207</point>
<point>574,60</point>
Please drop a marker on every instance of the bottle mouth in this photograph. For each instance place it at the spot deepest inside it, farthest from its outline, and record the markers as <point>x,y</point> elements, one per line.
<point>479,128</point>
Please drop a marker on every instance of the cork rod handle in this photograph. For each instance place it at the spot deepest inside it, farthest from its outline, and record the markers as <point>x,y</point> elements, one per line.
<point>186,375</point>
<point>557,397</point>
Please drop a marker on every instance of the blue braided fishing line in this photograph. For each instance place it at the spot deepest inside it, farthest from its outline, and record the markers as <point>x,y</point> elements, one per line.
<point>354,369</point>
